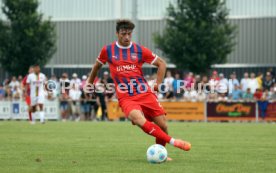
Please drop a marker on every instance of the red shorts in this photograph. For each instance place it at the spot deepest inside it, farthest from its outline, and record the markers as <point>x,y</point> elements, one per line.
<point>146,102</point>
<point>28,100</point>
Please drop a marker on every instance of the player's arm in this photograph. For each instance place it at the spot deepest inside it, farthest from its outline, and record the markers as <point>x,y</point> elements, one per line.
<point>162,66</point>
<point>101,60</point>
<point>94,72</point>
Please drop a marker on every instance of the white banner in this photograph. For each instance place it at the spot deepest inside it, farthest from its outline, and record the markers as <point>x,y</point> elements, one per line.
<point>5,109</point>
<point>19,110</point>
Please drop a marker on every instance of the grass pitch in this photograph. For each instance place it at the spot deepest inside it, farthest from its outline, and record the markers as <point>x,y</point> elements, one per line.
<point>120,147</point>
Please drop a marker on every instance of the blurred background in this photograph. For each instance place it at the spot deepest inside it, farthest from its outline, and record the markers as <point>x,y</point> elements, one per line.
<point>66,36</point>
<point>83,27</point>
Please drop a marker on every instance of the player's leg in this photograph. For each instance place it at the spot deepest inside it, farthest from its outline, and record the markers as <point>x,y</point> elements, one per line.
<point>154,111</point>
<point>41,113</point>
<point>161,122</point>
<point>148,127</point>
<point>32,110</point>
<point>28,102</point>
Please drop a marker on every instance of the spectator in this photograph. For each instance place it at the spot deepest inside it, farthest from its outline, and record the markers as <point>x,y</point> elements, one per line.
<point>236,93</point>
<point>20,78</point>
<point>108,80</point>
<point>244,82</point>
<point>212,96</point>
<point>64,83</point>
<point>8,93</point>
<point>89,105</point>
<point>197,81</point>
<point>223,84</point>
<point>273,93</point>
<point>75,81</point>
<point>258,94</point>
<point>205,86</point>
<point>168,85</point>
<point>253,83</point>
<point>263,103</point>
<point>201,96</point>
<point>85,106</point>
<point>14,82</point>
<point>232,82</point>
<point>259,79</point>
<point>214,81</point>
<point>64,105</point>
<point>268,81</point>
<point>55,91</point>
<point>83,82</point>
<point>101,99</point>
<point>189,80</point>
<point>247,95</point>
<point>16,93</point>
<point>271,72</point>
<point>176,87</point>
<point>2,92</point>
<point>75,95</point>
<point>222,97</point>
<point>6,82</point>
<point>190,95</point>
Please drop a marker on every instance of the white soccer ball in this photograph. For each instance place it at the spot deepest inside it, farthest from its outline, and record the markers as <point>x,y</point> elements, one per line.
<point>157,154</point>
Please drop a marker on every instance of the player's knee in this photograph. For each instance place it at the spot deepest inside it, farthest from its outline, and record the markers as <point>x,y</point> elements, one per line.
<point>137,121</point>
<point>164,127</point>
<point>137,118</point>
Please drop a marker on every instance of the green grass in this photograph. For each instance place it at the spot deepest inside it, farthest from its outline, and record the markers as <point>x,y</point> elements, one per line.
<point>120,147</point>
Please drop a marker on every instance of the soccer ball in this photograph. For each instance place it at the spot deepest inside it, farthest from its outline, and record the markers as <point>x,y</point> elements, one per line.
<point>157,154</point>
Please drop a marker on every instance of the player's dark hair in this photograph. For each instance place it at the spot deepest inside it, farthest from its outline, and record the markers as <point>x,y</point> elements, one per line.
<point>35,65</point>
<point>124,24</point>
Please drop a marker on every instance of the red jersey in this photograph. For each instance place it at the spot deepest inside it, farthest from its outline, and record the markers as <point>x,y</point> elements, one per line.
<point>125,64</point>
<point>24,82</point>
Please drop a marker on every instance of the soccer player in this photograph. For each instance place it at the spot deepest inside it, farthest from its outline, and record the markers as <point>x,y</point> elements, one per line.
<point>138,102</point>
<point>27,94</point>
<point>36,81</point>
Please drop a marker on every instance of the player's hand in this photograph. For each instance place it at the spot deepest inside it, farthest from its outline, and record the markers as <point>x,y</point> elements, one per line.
<point>155,87</point>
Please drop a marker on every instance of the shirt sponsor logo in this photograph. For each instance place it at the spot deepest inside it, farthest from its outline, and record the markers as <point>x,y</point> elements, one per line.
<point>126,68</point>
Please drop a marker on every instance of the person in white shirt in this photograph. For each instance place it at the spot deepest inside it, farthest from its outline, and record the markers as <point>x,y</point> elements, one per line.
<point>36,81</point>
<point>232,82</point>
<point>244,82</point>
<point>75,80</point>
<point>222,86</point>
<point>16,93</point>
<point>253,83</point>
<point>14,83</point>
<point>75,96</point>
<point>168,81</point>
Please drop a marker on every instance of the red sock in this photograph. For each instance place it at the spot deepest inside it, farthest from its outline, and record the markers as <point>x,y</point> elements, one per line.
<point>30,116</point>
<point>160,142</point>
<point>156,131</point>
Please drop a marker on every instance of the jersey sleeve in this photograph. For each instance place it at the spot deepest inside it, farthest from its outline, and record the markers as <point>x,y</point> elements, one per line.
<point>102,58</point>
<point>148,56</point>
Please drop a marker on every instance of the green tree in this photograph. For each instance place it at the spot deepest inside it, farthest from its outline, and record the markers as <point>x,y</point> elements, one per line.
<point>25,37</point>
<point>197,34</point>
